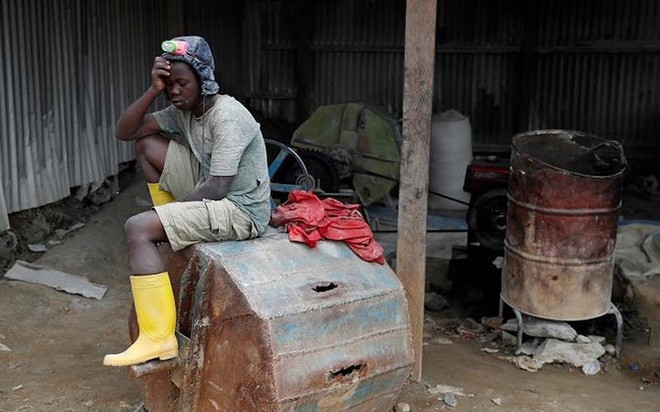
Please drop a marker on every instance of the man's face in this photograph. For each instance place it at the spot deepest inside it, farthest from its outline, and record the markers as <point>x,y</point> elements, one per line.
<point>183,88</point>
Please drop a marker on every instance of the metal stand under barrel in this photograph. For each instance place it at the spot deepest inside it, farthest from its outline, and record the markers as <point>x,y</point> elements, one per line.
<point>520,324</point>
<point>564,197</point>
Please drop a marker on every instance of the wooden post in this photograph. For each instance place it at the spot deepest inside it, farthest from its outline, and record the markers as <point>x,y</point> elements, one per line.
<point>419,57</point>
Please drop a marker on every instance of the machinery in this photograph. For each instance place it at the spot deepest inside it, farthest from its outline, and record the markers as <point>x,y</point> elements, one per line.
<point>350,146</point>
<point>280,159</point>
<point>486,180</point>
<point>353,150</point>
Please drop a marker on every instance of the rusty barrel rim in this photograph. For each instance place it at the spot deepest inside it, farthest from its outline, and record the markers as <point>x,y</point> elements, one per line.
<point>519,150</point>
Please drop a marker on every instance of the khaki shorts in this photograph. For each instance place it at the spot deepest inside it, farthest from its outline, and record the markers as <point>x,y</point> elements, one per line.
<point>181,171</point>
<point>187,223</point>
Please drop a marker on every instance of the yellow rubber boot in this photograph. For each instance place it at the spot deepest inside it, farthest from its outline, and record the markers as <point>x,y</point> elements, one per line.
<point>156,316</point>
<point>158,196</point>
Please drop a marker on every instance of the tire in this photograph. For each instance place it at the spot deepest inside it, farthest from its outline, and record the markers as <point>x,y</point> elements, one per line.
<point>487,218</point>
<point>320,169</point>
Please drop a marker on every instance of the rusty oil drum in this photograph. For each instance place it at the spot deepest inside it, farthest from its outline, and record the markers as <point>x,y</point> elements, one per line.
<point>564,198</point>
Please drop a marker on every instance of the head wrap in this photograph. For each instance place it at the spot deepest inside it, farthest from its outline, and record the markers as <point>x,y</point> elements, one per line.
<point>199,56</point>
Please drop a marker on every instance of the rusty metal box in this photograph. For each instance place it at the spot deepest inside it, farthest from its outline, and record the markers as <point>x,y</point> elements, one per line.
<point>271,325</point>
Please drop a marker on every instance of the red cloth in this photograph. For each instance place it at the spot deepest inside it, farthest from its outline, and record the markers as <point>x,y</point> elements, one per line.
<point>308,219</point>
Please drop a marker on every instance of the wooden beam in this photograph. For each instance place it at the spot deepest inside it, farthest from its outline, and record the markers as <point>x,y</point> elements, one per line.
<point>419,59</point>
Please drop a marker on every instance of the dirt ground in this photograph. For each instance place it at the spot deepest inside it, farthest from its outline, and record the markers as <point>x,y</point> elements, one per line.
<point>57,342</point>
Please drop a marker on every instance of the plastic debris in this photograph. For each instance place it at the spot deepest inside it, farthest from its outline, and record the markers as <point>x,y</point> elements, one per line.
<point>37,247</point>
<point>530,347</point>
<point>596,338</point>
<point>526,363</point>
<point>402,407</point>
<point>591,368</point>
<point>66,282</point>
<point>576,354</point>
<point>610,349</point>
<point>443,389</point>
<point>440,340</point>
<point>542,328</point>
<point>449,399</point>
<point>60,233</point>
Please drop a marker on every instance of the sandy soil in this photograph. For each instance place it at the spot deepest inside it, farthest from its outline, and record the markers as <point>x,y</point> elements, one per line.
<point>58,340</point>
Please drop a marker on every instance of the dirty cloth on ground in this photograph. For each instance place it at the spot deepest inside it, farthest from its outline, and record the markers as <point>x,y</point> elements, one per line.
<point>308,219</point>
<point>637,249</point>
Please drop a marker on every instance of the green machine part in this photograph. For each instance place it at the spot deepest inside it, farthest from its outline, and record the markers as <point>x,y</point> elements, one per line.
<point>362,142</point>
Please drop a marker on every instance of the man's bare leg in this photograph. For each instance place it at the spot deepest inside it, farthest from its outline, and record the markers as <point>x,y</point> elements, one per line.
<point>152,294</point>
<point>150,152</point>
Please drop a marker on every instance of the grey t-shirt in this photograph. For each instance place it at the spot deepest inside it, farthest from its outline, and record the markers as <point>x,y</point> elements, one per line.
<point>227,141</point>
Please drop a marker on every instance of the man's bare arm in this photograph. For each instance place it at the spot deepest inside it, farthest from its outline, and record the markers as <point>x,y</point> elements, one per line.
<point>214,188</point>
<point>134,122</point>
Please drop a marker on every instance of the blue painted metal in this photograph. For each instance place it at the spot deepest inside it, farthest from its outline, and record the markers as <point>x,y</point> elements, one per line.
<point>277,163</point>
<point>285,187</point>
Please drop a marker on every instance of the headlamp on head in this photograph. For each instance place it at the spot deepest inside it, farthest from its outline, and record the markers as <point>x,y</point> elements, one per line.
<point>175,47</point>
<point>195,51</point>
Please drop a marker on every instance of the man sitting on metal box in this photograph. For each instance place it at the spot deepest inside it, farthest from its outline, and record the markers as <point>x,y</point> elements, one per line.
<point>213,186</point>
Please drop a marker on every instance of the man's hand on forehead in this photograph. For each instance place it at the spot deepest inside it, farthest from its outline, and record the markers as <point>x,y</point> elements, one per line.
<point>159,72</point>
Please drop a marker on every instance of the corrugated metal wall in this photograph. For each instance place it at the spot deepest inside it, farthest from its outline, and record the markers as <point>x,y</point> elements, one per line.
<point>357,52</point>
<point>511,65</point>
<point>68,69</point>
<point>334,51</point>
<point>597,68</point>
<point>222,24</point>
